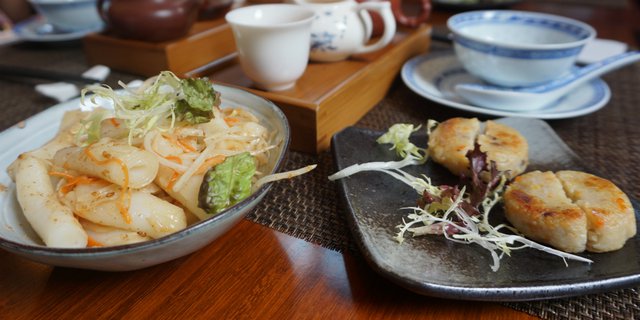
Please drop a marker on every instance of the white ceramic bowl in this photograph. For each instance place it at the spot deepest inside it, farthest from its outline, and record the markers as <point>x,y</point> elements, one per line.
<point>517,48</point>
<point>17,236</point>
<point>70,15</point>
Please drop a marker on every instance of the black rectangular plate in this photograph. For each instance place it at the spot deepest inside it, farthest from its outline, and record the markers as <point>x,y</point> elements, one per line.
<point>434,266</point>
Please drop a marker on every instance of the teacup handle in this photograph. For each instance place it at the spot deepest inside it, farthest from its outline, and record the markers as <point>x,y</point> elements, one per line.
<point>384,9</point>
<point>100,6</point>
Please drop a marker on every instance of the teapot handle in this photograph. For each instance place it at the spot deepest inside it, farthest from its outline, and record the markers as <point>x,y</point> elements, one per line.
<point>101,11</point>
<point>384,9</point>
<point>411,21</point>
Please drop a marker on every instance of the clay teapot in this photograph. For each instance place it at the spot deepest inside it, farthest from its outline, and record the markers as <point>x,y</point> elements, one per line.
<point>149,20</point>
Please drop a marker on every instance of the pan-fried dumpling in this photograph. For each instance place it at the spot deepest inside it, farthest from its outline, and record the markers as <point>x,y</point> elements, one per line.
<point>450,141</point>
<point>570,210</point>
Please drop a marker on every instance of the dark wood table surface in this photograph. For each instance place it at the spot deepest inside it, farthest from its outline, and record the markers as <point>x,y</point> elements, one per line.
<point>254,271</point>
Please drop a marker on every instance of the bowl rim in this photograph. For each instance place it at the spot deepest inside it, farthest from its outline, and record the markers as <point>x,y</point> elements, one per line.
<point>59,2</point>
<point>303,16</point>
<point>197,227</point>
<point>453,25</point>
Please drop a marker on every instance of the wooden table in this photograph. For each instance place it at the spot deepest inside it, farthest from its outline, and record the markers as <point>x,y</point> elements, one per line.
<point>251,272</point>
<point>254,271</point>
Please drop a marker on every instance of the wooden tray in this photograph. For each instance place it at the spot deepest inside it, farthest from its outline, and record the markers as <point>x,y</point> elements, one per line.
<point>327,98</point>
<point>331,96</point>
<point>207,41</point>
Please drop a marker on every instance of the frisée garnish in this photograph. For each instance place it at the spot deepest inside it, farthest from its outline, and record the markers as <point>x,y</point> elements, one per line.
<point>158,103</point>
<point>461,212</point>
<point>398,136</point>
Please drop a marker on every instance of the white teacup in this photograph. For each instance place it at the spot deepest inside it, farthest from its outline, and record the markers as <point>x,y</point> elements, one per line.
<point>273,43</point>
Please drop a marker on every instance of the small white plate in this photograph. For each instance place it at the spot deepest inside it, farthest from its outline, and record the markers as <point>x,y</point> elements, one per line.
<point>37,29</point>
<point>434,77</point>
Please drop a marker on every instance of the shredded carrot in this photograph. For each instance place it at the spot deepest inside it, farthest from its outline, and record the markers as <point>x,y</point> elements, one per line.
<point>231,121</point>
<point>123,205</point>
<point>182,145</point>
<point>185,145</point>
<point>72,181</point>
<point>91,242</point>
<point>114,122</point>
<point>175,159</point>
<point>210,162</point>
<point>92,157</point>
<point>75,181</point>
<point>125,194</point>
<point>61,174</point>
<point>173,180</point>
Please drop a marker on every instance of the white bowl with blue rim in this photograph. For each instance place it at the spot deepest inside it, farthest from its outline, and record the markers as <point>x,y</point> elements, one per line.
<point>70,15</point>
<point>517,48</point>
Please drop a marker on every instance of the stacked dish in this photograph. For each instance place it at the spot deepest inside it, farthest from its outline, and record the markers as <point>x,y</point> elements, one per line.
<point>514,63</point>
<point>60,20</point>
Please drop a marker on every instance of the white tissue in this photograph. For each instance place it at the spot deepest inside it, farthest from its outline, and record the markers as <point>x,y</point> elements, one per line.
<point>60,91</point>
<point>63,91</point>
<point>135,83</point>
<point>97,72</point>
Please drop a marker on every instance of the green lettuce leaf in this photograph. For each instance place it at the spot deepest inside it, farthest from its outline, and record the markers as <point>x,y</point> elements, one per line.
<point>198,100</point>
<point>227,183</point>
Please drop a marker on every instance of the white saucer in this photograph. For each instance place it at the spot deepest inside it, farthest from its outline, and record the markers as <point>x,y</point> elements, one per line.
<point>37,29</point>
<point>434,77</point>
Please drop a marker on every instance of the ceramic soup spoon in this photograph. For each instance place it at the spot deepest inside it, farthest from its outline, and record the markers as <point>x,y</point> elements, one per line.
<point>536,97</point>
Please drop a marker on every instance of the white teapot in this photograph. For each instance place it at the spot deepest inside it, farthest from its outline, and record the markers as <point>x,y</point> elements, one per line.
<point>341,28</point>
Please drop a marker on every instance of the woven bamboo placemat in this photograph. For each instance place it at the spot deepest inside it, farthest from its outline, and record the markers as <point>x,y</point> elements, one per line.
<point>308,207</point>
<point>607,140</point>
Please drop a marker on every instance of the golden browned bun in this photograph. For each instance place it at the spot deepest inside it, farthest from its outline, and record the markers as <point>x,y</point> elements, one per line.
<point>610,216</point>
<point>537,206</point>
<point>452,139</point>
<point>506,147</point>
<point>450,142</point>
<point>570,210</point>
